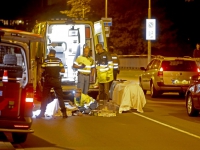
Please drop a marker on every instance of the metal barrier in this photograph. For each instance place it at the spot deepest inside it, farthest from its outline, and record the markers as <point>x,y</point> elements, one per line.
<point>133,61</point>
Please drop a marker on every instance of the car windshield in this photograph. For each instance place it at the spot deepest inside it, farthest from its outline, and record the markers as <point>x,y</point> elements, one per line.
<point>179,65</point>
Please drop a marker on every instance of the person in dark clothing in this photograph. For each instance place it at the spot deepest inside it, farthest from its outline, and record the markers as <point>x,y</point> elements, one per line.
<point>116,63</point>
<point>196,52</point>
<point>52,67</point>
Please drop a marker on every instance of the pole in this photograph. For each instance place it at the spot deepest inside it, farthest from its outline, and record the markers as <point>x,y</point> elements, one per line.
<point>83,12</point>
<point>106,8</point>
<point>149,41</point>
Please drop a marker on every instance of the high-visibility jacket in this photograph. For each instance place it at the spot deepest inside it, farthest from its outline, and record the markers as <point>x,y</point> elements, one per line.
<point>104,67</point>
<point>84,100</point>
<point>115,60</point>
<point>87,61</point>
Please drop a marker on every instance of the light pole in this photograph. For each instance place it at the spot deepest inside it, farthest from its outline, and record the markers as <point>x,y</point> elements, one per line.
<point>149,41</point>
<point>106,8</point>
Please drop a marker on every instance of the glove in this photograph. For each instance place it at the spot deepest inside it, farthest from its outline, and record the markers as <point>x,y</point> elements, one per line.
<point>82,66</point>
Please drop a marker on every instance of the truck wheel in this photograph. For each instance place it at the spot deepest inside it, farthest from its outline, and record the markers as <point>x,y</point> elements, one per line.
<point>190,106</point>
<point>154,92</point>
<point>19,137</point>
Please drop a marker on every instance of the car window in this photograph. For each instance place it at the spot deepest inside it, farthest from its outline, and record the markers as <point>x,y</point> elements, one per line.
<point>155,64</point>
<point>5,49</point>
<point>149,66</point>
<point>179,65</point>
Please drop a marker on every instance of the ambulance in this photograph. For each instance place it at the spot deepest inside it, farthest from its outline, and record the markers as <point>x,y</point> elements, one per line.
<point>16,83</point>
<point>68,37</point>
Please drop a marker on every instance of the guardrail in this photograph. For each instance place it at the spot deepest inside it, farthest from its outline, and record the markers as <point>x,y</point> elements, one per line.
<point>133,61</point>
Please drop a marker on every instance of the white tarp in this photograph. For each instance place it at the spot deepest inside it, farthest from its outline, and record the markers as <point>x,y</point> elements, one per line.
<point>129,95</point>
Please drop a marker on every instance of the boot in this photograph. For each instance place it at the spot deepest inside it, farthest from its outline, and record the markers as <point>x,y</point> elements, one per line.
<point>41,115</point>
<point>64,114</point>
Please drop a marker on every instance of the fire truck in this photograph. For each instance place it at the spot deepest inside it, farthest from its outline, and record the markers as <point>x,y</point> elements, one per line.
<point>68,37</point>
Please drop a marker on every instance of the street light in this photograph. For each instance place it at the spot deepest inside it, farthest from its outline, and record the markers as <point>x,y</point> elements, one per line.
<point>106,8</point>
<point>149,41</point>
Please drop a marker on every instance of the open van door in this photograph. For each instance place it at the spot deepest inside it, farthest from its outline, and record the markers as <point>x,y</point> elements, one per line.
<point>99,34</point>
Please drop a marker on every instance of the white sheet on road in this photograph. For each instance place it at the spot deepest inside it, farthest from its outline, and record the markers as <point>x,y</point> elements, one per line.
<point>129,95</point>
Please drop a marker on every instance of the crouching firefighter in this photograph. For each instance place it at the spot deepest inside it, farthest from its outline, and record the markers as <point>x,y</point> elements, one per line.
<point>52,67</point>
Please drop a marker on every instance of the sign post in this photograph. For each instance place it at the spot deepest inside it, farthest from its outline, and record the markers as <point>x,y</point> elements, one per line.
<point>149,41</point>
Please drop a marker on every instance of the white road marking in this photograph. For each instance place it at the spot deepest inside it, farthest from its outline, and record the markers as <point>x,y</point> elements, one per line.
<point>161,102</point>
<point>166,125</point>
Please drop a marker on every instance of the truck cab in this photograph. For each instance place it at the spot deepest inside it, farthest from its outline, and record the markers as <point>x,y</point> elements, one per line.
<point>68,37</point>
<point>16,83</point>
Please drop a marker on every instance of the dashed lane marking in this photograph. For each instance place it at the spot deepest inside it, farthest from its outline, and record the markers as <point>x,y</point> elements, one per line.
<point>166,125</point>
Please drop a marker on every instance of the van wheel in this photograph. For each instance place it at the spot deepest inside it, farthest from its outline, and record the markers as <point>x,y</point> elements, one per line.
<point>190,106</point>
<point>19,137</point>
<point>154,92</point>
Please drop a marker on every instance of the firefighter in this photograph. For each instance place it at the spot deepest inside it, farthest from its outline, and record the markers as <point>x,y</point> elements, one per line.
<point>52,67</point>
<point>115,60</point>
<point>104,67</point>
<point>85,65</point>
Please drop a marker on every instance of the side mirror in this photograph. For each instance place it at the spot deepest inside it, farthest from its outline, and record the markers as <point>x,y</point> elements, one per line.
<point>143,68</point>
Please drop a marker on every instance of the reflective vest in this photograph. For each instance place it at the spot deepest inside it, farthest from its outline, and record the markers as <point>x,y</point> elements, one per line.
<point>52,66</point>
<point>104,66</point>
<point>84,100</point>
<point>115,60</point>
<point>87,61</point>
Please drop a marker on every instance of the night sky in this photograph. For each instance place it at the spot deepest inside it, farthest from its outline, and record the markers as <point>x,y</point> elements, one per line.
<point>184,14</point>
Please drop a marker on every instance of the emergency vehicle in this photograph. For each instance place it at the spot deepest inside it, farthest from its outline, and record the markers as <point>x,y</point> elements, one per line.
<point>16,83</point>
<point>68,37</point>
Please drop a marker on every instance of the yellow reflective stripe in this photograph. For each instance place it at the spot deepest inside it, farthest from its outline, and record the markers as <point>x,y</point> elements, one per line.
<point>114,57</point>
<point>110,62</point>
<point>103,65</point>
<point>52,65</point>
<point>104,69</point>
<point>76,63</point>
<point>84,71</point>
<point>110,66</point>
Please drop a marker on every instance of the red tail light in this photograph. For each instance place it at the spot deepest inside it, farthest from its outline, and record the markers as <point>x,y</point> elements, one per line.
<point>160,72</point>
<point>29,94</point>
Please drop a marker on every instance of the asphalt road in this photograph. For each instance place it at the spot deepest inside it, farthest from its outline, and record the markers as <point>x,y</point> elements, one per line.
<point>164,125</point>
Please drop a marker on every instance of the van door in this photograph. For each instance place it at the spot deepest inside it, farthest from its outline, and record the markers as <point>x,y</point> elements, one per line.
<point>37,55</point>
<point>99,34</point>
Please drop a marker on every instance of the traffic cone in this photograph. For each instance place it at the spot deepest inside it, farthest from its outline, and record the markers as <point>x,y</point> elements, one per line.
<point>5,76</point>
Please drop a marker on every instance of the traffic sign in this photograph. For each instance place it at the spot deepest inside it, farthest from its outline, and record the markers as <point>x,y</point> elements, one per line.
<point>107,31</point>
<point>107,21</point>
<point>150,29</point>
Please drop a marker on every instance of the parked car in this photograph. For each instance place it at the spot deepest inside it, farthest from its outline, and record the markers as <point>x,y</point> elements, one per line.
<point>16,83</point>
<point>192,96</point>
<point>168,74</point>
